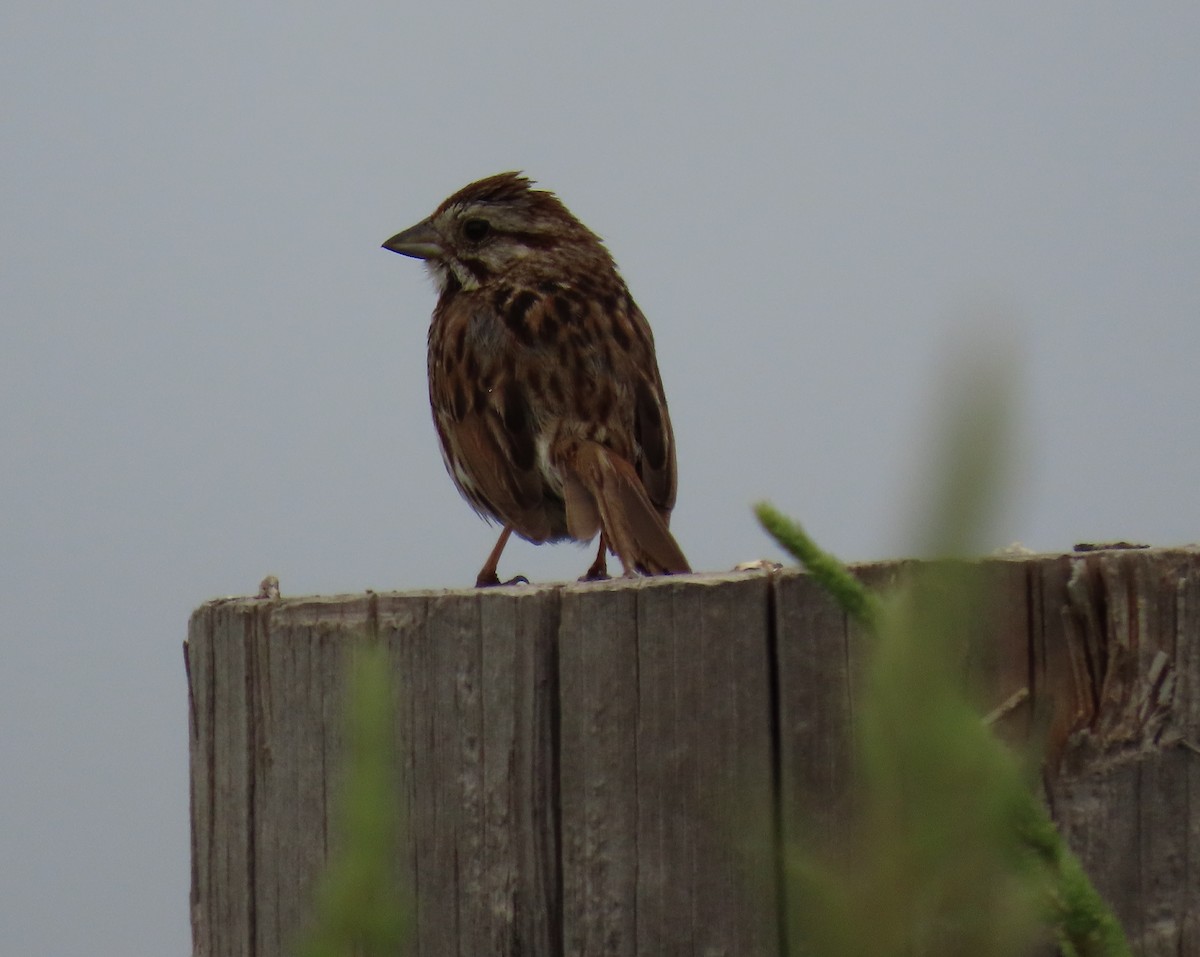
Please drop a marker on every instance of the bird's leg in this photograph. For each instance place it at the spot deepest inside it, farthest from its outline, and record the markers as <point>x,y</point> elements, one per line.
<point>487,575</point>
<point>599,569</point>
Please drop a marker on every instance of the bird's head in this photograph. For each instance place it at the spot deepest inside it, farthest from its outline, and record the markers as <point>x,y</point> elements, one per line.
<point>492,226</point>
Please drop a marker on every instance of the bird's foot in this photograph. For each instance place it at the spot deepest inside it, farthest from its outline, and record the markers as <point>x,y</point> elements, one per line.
<point>495,582</point>
<point>599,570</point>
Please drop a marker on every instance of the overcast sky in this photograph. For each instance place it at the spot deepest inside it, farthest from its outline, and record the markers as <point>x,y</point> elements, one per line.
<point>210,371</point>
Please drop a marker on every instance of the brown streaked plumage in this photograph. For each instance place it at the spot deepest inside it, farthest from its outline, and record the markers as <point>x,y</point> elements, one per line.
<point>543,379</point>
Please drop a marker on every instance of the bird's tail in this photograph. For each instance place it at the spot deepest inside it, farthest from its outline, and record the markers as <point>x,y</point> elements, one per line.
<point>603,492</point>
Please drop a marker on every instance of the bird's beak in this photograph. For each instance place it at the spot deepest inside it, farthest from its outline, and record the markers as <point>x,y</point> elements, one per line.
<point>420,241</point>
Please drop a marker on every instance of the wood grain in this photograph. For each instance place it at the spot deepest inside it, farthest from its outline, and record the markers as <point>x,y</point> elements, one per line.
<point>615,768</point>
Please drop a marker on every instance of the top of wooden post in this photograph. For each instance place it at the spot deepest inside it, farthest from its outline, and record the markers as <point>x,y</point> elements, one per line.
<point>565,748</point>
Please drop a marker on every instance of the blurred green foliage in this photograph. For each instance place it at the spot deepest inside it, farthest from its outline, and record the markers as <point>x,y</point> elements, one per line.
<point>362,906</point>
<point>949,851</point>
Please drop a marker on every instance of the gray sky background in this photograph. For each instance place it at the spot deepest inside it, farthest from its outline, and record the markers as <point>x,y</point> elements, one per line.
<point>210,370</point>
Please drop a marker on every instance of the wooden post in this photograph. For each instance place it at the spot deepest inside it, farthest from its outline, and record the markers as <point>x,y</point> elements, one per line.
<point>576,760</point>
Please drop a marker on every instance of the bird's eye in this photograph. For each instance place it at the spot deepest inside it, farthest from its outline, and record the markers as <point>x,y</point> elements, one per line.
<point>476,229</point>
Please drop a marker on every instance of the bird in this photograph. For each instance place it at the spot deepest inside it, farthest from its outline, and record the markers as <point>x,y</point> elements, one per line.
<point>543,379</point>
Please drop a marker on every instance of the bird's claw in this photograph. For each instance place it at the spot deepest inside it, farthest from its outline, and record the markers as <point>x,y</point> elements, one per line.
<point>495,582</point>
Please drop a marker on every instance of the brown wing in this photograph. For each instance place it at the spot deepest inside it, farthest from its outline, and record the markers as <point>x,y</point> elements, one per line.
<point>479,459</point>
<point>651,422</point>
<point>589,360</point>
<point>487,431</point>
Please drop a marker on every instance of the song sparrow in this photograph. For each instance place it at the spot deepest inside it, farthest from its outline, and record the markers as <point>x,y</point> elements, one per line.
<point>543,380</point>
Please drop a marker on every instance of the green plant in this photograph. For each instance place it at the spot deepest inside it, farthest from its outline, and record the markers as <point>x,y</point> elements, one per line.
<point>949,851</point>
<point>362,907</point>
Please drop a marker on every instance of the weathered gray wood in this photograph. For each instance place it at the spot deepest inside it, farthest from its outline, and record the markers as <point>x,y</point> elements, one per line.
<point>475,682</point>
<point>293,683</point>
<point>598,776</point>
<point>706,827</point>
<point>1122,656</point>
<point>222,742</point>
<point>819,664</point>
<point>666,756</point>
<point>613,768</point>
<point>476,692</point>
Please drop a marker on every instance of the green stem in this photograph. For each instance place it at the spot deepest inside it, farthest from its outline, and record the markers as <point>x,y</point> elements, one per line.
<point>1085,925</point>
<point>852,595</point>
